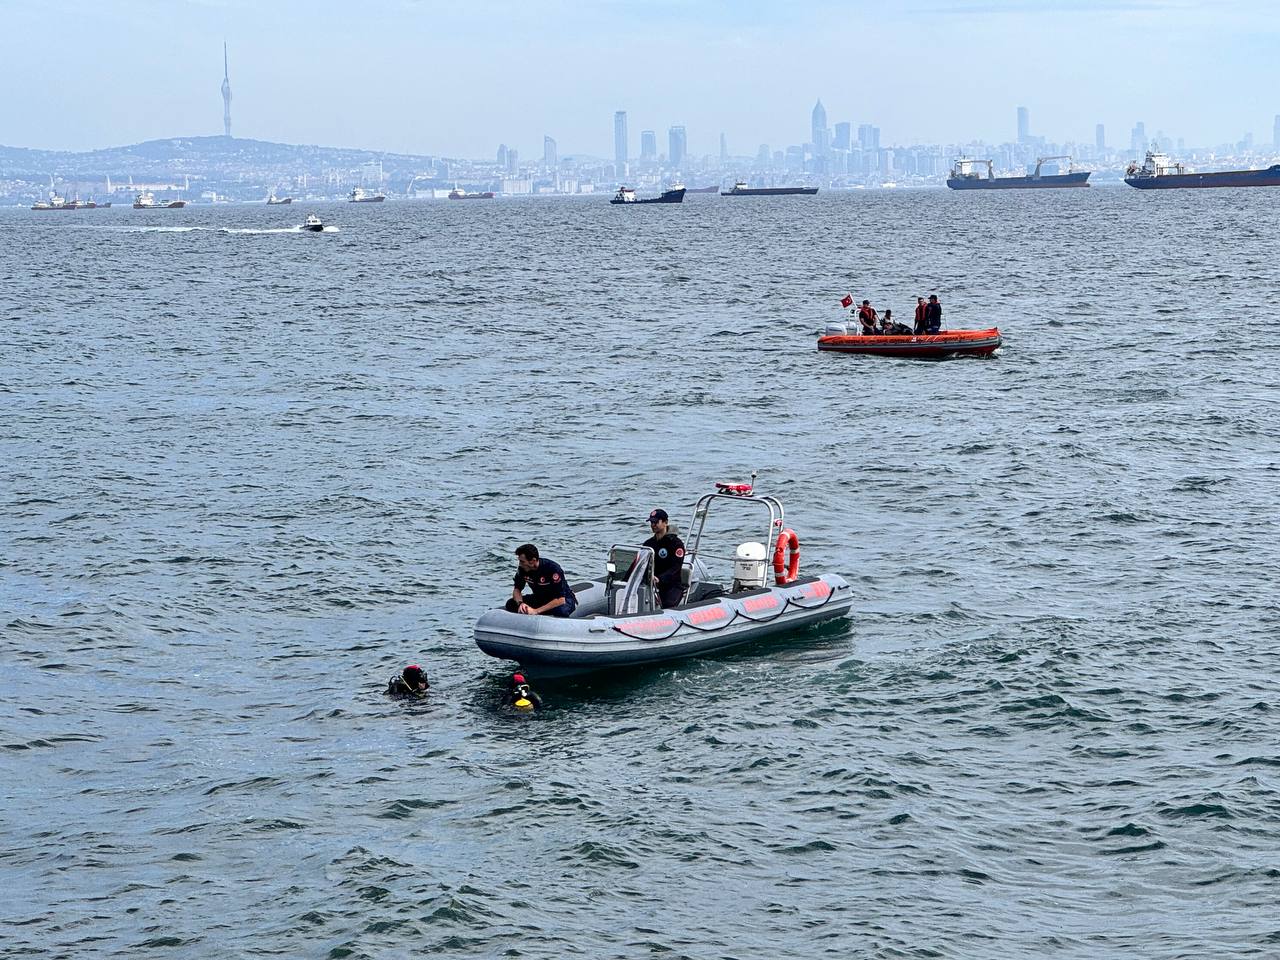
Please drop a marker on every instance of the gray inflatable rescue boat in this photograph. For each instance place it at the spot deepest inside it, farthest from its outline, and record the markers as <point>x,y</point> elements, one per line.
<point>619,621</point>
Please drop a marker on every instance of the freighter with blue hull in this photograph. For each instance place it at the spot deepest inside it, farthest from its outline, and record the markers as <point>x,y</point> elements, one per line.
<point>1158,172</point>
<point>965,176</point>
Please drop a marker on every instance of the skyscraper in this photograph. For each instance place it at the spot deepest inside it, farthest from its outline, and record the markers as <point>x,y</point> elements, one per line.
<point>1138,137</point>
<point>226,93</point>
<point>1275,133</point>
<point>844,136</point>
<point>620,143</point>
<point>648,146</point>
<point>868,137</point>
<point>677,147</point>
<point>513,162</point>
<point>1100,137</point>
<point>724,149</point>
<point>549,158</point>
<point>1024,125</point>
<point>818,123</point>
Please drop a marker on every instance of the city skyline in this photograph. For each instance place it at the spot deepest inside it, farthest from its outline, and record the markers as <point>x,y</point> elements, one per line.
<point>383,96</point>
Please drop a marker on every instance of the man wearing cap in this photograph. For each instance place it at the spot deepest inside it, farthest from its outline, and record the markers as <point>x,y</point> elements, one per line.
<point>550,592</point>
<point>668,557</point>
<point>933,314</point>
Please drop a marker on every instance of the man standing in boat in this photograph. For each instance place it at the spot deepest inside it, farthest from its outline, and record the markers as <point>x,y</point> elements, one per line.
<point>922,321</point>
<point>668,558</point>
<point>933,314</point>
<point>867,318</point>
<point>550,592</point>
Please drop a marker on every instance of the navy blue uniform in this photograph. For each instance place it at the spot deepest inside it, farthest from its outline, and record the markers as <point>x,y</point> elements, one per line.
<point>545,584</point>
<point>933,316</point>
<point>668,557</point>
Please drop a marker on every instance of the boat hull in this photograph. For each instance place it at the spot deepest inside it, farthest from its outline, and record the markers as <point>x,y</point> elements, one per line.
<point>549,647</point>
<point>1269,177</point>
<point>938,346</point>
<point>1054,181</point>
<point>171,205</point>
<point>770,192</point>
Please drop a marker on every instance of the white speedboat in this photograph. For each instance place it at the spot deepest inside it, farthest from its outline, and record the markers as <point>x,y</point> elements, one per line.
<point>313,223</point>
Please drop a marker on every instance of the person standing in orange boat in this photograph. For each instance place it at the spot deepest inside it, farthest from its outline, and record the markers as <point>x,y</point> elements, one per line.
<point>933,314</point>
<point>922,322</point>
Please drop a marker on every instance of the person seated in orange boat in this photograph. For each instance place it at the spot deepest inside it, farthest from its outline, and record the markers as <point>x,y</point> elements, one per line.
<point>867,318</point>
<point>891,328</point>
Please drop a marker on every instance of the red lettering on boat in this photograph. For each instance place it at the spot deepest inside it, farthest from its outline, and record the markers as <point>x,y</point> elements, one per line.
<point>760,603</point>
<point>648,626</point>
<point>707,614</point>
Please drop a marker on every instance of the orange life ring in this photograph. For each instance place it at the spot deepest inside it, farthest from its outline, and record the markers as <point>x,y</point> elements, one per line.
<point>784,573</point>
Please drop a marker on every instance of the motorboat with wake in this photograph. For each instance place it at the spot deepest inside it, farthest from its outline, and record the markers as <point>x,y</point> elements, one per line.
<point>619,621</point>
<point>313,223</point>
<point>917,346</point>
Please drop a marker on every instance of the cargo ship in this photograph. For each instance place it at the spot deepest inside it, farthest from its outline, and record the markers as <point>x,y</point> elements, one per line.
<point>360,195</point>
<point>740,189</point>
<point>966,176</point>
<point>627,195</point>
<point>56,202</point>
<point>1158,172</point>
<point>456,194</point>
<point>146,200</point>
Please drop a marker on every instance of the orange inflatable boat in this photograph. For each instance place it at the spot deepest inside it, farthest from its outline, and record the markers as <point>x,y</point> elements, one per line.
<point>937,346</point>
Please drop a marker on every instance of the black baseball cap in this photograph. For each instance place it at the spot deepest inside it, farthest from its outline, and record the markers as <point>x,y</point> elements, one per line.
<point>658,514</point>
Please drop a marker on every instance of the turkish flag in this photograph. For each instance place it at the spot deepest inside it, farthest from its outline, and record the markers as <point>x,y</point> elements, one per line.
<point>847,301</point>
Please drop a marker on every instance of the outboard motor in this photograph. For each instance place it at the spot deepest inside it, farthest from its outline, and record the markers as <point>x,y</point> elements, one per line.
<point>749,566</point>
<point>835,329</point>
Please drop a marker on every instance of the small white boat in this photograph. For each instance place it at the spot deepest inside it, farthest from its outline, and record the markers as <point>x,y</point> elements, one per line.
<point>313,223</point>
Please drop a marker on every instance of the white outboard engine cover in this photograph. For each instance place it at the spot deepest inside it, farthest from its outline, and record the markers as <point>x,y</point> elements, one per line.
<point>835,329</point>
<point>749,565</point>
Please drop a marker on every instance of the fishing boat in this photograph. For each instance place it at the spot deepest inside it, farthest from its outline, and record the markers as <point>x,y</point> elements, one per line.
<point>313,223</point>
<point>619,620</point>
<point>923,346</point>
<point>360,195</point>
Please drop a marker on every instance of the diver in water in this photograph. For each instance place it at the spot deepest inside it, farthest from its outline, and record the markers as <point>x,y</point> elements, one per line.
<point>411,682</point>
<point>520,697</point>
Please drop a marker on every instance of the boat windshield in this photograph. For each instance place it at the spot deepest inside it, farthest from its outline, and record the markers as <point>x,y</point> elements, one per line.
<point>629,583</point>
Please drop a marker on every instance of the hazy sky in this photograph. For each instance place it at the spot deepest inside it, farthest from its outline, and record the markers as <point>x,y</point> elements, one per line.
<point>456,78</point>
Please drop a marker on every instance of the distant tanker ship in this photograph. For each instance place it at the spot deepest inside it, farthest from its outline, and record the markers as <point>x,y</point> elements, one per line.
<point>1158,172</point>
<point>965,176</point>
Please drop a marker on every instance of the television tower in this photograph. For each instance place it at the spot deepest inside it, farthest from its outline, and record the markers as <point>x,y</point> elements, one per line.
<point>226,93</point>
